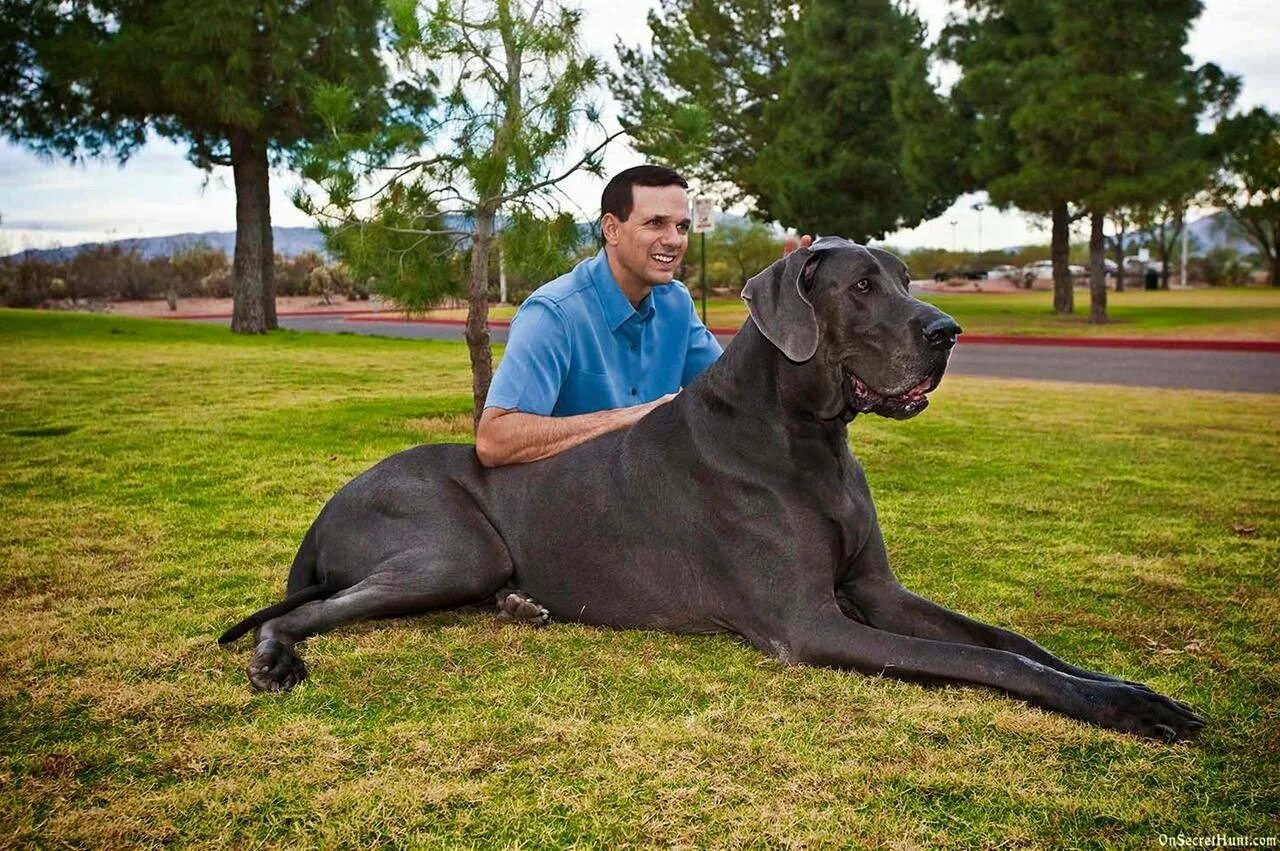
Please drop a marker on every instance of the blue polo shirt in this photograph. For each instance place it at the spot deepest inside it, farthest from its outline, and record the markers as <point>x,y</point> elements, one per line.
<point>577,345</point>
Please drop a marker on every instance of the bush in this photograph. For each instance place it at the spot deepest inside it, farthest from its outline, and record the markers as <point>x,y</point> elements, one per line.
<point>1221,267</point>
<point>113,273</point>
<point>199,271</point>
<point>27,282</point>
<point>293,274</point>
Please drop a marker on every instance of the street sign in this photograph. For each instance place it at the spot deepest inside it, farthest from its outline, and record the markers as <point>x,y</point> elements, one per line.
<point>704,215</point>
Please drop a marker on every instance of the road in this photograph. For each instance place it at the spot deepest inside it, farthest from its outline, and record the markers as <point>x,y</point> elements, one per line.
<point>1250,372</point>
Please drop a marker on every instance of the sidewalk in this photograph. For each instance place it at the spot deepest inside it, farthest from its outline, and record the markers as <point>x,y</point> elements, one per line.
<point>967,339</point>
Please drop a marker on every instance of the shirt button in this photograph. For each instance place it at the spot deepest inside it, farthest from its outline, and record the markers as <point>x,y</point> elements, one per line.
<point>633,391</point>
<point>633,348</point>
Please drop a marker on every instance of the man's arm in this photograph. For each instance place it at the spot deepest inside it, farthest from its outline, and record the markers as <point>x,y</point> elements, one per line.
<point>508,437</point>
<point>514,437</point>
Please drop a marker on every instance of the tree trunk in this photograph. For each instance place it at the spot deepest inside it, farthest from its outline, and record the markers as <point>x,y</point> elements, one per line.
<point>268,266</point>
<point>478,310</point>
<point>1120,228</point>
<point>1275,270</point>
<point>253,221</point>
<point>1060,253</point>
<point>1097,271</point>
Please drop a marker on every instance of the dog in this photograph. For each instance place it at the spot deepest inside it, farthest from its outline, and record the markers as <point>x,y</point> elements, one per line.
<point>737,507</point>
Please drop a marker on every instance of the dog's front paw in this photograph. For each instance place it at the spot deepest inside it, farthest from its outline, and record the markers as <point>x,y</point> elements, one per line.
<point>519,607</point>
<point>275,667</point>
<point>1137,709</point>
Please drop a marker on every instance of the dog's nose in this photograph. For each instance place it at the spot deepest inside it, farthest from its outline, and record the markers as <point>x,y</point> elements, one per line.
<point>941,332</point>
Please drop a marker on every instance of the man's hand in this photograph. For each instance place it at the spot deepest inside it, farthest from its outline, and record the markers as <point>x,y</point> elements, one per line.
<point>514,437</point>
<point>790,244</point>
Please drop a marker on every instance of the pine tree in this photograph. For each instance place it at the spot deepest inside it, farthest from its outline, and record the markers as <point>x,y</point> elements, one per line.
<point>231,79</point>
<point>805,115</point>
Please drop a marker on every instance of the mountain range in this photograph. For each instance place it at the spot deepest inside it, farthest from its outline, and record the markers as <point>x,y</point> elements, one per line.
<point>1206,233</point>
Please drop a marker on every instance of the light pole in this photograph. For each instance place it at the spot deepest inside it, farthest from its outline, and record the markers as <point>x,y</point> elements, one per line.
<point>1182,255</point>
<point>979,207</point>
<point>954,222</point>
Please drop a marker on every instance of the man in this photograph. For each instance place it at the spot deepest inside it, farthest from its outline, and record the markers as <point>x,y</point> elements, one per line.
<point>597,349</point>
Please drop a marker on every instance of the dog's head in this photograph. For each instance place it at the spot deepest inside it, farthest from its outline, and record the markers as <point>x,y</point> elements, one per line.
<point>845,310</point>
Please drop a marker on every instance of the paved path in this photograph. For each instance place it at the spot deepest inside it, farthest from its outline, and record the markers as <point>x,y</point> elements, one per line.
<point>1252,372</point>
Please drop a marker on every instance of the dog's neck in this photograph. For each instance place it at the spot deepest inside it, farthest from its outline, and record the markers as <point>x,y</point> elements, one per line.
<point>755,382</point>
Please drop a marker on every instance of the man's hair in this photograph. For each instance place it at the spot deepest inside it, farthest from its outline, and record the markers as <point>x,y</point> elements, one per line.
<point>617,197</point>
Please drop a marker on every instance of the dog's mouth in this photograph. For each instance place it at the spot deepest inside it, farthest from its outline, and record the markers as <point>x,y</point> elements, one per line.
<point>860,398</point>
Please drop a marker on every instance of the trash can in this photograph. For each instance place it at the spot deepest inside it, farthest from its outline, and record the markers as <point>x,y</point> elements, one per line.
<point>1151,280</point>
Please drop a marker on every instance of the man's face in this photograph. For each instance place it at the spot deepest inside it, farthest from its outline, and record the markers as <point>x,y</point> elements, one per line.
<point>650,244</point>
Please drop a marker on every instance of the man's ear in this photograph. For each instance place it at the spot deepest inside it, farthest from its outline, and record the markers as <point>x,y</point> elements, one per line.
<point>609,226</point>
<point>778,306</point>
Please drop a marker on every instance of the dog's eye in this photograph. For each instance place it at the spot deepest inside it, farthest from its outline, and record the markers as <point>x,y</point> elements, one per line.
<point>862,286</point>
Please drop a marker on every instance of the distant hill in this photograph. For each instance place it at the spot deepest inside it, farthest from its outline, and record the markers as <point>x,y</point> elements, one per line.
<point>289,242</point>
<point>1217,231</point>
<point>1206,233</point>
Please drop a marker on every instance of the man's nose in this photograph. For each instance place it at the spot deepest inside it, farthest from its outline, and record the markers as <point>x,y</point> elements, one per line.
<point>941,332</point>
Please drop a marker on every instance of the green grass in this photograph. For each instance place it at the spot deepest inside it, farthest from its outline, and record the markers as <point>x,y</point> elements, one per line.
<point>1239,313</point>
<point>155,478</point>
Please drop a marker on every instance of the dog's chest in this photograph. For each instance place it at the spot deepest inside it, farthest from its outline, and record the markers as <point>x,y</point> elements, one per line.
<point>844,500</point>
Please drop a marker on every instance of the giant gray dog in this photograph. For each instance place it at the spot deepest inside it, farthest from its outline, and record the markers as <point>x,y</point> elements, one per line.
<point>737,507</point>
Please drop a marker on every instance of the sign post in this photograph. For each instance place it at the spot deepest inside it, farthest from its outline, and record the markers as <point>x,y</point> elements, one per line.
<point>704,219</point>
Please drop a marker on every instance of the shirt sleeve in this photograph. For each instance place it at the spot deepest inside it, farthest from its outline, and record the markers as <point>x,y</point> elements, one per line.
<point>536,361</point>
<point>703,348</point>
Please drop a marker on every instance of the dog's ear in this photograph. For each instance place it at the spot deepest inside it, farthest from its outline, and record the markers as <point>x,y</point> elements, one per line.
<point>778,306</point>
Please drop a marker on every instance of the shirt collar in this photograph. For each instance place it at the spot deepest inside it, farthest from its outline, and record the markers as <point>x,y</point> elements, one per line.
<point>617,309</point>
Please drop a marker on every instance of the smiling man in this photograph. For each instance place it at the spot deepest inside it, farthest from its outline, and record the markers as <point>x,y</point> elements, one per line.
<point>597,349</point>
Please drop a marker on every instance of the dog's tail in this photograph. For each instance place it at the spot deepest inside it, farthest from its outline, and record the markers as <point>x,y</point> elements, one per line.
<point>303,568</point>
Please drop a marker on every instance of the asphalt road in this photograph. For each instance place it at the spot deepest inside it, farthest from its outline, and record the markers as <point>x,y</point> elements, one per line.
<point>1251,372</point>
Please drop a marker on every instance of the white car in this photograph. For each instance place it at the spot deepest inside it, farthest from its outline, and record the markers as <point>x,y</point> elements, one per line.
<point>1041,270</point>
<point>1006,271</point>
<point>1134,264</point>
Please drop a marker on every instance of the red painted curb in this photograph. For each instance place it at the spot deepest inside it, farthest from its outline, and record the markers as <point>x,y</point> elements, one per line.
<point>340,312</point>
<point>366,316</point>
<point>979,339</point>
<point>1124,342</point>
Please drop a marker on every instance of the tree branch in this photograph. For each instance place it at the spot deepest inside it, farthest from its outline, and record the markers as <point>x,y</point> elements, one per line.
<point>527,190</point>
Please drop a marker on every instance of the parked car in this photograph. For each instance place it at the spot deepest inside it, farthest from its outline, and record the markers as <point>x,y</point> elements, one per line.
<point>967,274</point>
<point>1004,271</point>
<point>1134,265</point>
<point>1041,270</point>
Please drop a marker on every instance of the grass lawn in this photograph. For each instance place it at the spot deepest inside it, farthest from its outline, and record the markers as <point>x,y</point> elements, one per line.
<point>155,478</point>
<point>1239,313</point>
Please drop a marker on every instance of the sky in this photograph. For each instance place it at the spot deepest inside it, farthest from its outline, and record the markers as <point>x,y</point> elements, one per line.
<point>45,203</point>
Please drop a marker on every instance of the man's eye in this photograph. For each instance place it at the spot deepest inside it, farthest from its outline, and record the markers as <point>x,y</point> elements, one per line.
<point>682,227</point>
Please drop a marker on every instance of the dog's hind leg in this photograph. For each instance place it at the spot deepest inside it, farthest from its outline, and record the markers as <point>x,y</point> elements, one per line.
<point>411,582</point>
